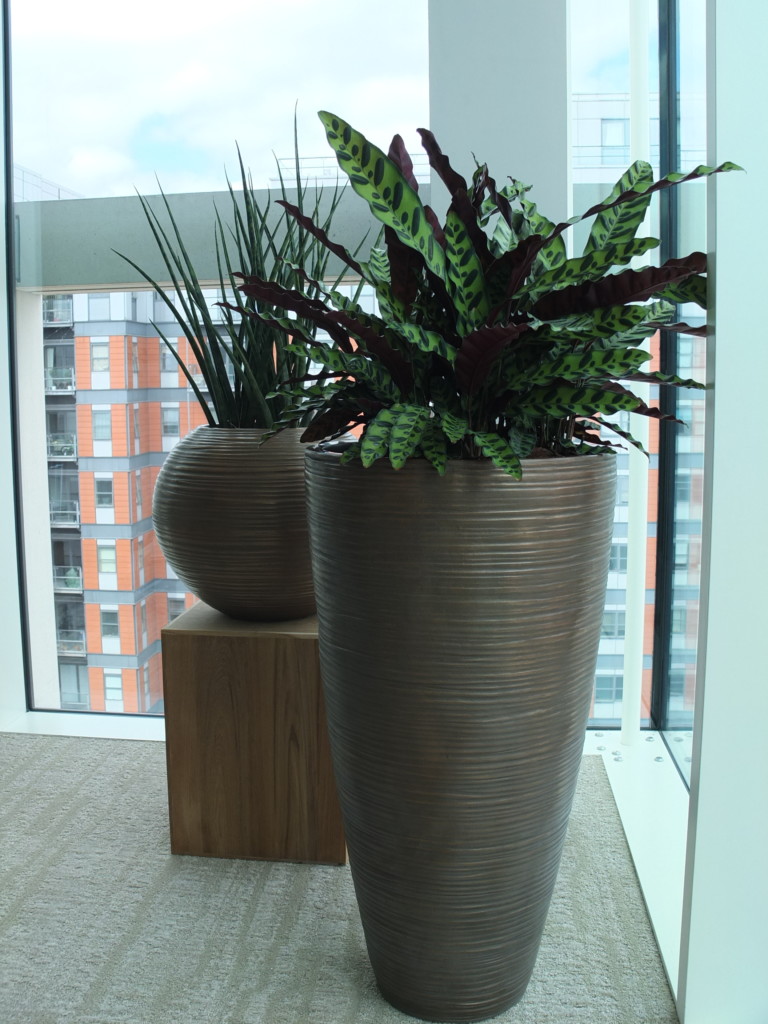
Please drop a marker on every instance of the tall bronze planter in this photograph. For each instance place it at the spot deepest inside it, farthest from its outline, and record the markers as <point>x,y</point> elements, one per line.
<point>230,517</point>
<point>459,625</point>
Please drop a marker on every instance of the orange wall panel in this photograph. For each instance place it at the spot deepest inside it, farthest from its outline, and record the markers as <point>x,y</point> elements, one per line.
<point>83,363</point>
<point>151,355</point>
<point>96,688</point>
<point>127,629</point>
<point>151,438</point>
<point>130,692</point>
<point>121,490</point>
<point>93,628</point>
<point>84,430</point>
<point>120,430</point>
<point>645,699</point>
<point>124,564</point>
<point>650,564</point>
<point>90,564</point>
<point>155,679</point>
<point>87,498</point>
<point>117,353</point>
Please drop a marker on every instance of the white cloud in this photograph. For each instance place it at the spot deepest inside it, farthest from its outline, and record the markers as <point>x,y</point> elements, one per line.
<point>102,105</point>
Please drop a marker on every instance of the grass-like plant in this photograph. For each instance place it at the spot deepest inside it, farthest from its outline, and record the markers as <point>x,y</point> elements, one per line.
<point>490,341</point>
<point>243,359</point>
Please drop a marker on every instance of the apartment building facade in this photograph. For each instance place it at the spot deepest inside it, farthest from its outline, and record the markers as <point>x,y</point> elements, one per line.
<point>115,403</point>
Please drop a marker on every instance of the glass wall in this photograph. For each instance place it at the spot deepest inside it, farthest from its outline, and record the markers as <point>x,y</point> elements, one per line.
<point>687,357</point>
<point>100,113</point>
<point>111,401</point>
<point>615,120</point>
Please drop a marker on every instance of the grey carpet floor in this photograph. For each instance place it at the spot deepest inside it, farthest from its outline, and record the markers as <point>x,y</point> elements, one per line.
<point>99,924</point>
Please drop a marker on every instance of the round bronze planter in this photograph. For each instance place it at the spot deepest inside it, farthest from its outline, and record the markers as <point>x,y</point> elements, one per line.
<point>230,517</point>
<point>459,626</point>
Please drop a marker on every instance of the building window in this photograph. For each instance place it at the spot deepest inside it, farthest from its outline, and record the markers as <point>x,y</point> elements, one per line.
<point>113,690</point>
<point>110,626</point>
<point>168,362</point>
<point>101,424</point>
<point>137,481</point>
<point>613,623</point>
<point>170,421</point>
<point>106,556</point>
<point>683,488</point>
<point>73,687</point>
<point>609,687</point>
<point>105,497</point>
<point>140,559</point>
<point>618,559</point>
<point>176,605</point>
<point>614,140</point>
<point>100,357</point>
<point>147,690</point>
<point>57,310</point>
<point>681,554</point>
<point>679,621</point>
<point>142,615</point>
<point>98,306</point>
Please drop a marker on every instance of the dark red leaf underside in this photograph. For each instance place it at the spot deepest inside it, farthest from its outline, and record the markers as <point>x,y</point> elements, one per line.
<point>480,350</point>
<point>617,289</point>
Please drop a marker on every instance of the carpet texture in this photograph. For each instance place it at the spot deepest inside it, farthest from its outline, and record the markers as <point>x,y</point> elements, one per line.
<point>99,924</point>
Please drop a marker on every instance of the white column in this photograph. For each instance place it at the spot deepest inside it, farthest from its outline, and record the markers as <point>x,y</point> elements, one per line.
<point>498,89</point>
<point>725,921</point>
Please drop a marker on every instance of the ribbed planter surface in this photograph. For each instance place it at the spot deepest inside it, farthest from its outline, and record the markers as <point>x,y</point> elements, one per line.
<point>459,626</point>
<point>230,517</point>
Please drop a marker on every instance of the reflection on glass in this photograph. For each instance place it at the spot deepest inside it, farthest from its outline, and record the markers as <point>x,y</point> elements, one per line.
<point>119,111</point>
<point>677,713</point>
<point>604,137</point>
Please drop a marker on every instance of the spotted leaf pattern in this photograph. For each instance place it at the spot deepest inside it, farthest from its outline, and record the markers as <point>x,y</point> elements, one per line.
<point>489,342</point>
<point>380,182</point>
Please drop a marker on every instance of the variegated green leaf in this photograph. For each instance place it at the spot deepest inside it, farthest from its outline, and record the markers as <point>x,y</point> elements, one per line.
<point>563,400</point>
<point>375,441</point>
<point>666,378</point>
<point>351,453</point>
<point>522,442</point>
<point>580,365</point>
<point>406,433</point>
<point>455,427</point>
<point>466,281</point>
<point>380,182</point>
<point>378,274</point>
<point>590,267</point>
<point>499,452</point>
<point>693,289</point>
<point>619,223</point>
<point>434,446</point>
<point>426,341</point>
<point>554,253</point>
<point>355,365</point>
<point>610,321</point>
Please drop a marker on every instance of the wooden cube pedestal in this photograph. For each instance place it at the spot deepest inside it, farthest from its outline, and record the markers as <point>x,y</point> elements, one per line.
<point>249,763</point>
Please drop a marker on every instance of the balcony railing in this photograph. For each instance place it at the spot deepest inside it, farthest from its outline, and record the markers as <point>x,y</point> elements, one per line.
<point>59,378</point>
<point>68,578</point>
<point>71,642</point>
<point>57,310</point>
<point>62,446</point>
<point>65,513</point>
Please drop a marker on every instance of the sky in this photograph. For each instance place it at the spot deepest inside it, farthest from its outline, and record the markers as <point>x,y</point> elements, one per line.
<point>160,91</point>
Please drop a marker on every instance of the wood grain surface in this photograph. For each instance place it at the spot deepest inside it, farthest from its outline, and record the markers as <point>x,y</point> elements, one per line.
<point>249,763</point>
